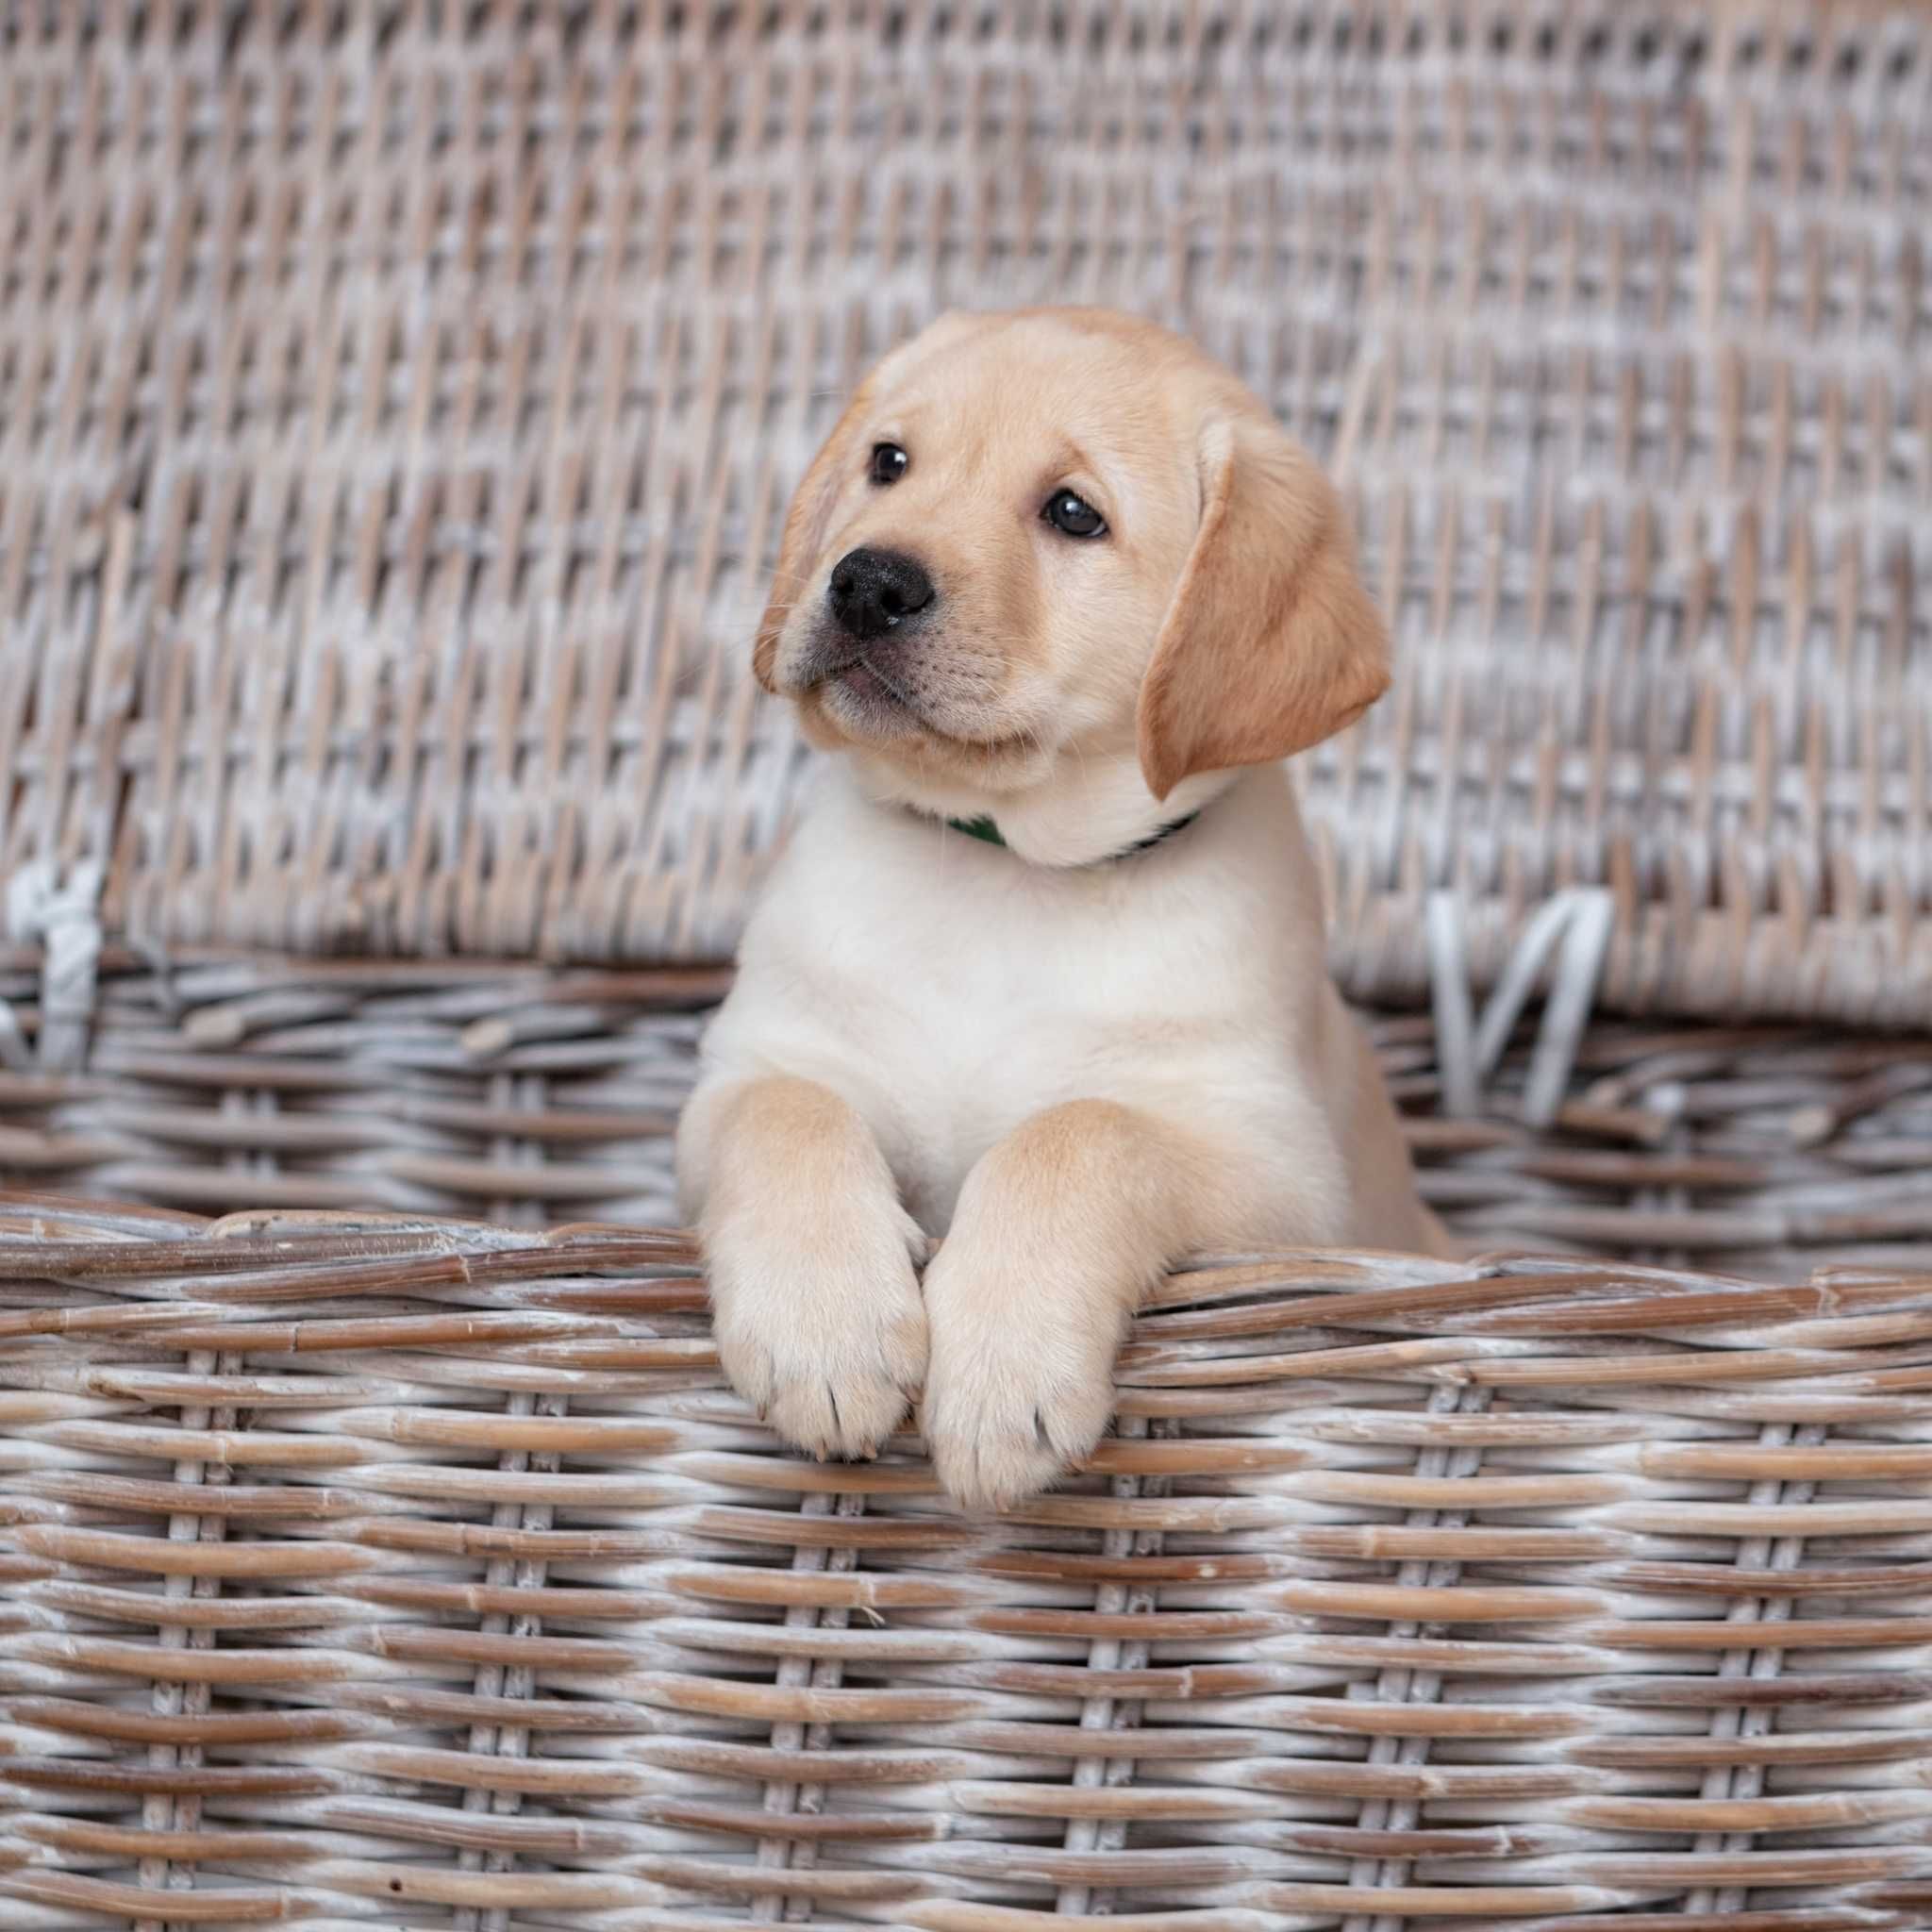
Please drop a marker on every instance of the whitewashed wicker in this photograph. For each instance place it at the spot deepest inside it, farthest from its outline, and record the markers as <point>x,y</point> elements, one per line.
<point>523,1094</point>
<point>397,403</point>
<point>382,1574</point>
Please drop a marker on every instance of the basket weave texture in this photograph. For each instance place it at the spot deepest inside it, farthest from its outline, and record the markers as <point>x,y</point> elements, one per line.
<point>397,403</point>
<point>518,1094</point>
<point>375,1574</point>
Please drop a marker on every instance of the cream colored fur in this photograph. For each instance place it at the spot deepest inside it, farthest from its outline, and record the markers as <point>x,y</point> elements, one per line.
<point>1075,1069</point>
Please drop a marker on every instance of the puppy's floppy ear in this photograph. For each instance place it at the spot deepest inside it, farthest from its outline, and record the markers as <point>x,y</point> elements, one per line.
<point>804,535</point>
<point>1270,643</point>
<point>806,522</point>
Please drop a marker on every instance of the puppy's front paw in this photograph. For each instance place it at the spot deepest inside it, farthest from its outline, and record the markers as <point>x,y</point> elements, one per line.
<point>1016,1391</point>
<point>825,1335</point>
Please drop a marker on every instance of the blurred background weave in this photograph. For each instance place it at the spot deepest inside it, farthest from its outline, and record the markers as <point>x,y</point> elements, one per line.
<point>397,404</point>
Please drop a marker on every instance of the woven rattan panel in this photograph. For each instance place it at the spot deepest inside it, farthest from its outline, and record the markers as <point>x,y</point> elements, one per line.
<point>396,404</point>
<point>425,1577</point>
<point>520,1095</point>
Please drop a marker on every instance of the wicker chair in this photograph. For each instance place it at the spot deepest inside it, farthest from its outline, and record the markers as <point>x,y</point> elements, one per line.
<point>396,404</point>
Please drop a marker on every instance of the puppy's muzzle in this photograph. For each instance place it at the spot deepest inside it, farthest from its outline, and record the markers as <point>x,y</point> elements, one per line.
<point>873,592</point>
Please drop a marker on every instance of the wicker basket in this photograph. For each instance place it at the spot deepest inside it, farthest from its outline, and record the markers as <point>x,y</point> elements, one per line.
<point>1409,1595</point>
<point>396,404</point>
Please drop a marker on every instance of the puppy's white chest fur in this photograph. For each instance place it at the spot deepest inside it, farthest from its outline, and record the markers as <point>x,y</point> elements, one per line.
<point>949,991</point>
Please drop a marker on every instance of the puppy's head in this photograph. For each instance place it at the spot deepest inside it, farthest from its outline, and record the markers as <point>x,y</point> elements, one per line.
<point>1059,535</point>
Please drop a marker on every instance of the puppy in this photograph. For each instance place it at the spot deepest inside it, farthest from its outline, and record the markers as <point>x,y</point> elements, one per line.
<point>1042,969</point>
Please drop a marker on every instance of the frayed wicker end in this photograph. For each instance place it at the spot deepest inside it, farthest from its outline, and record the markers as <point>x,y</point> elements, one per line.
<point>379,1571</point>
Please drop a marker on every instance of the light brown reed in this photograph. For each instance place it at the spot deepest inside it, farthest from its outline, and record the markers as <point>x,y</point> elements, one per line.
<point>1403,1598</point>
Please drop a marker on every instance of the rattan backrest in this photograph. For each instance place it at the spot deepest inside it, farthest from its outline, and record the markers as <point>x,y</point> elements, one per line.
<point>397,403</point>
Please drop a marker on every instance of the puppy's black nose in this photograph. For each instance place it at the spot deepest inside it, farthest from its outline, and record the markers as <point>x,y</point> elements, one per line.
<point>870,591</point>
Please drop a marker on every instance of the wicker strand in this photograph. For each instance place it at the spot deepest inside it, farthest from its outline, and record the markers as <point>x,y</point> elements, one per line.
<point>1739,1784</point>
<point>1575,928</point>
<point>1381,1816</point>
<point>59,917</point>
<point>1084,1835</point>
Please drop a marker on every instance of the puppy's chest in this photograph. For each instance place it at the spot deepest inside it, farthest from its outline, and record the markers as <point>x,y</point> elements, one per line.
<point>970,998</point>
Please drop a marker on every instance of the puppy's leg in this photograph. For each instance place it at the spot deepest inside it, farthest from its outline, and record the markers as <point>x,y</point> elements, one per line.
<point>817,1312</point>
<point>1059,1231</point>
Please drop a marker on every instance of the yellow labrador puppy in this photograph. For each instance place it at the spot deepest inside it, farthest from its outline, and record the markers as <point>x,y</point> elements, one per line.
<point>1042,971</point>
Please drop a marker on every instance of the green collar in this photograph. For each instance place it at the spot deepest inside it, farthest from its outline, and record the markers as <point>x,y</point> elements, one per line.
<point>986,830</point>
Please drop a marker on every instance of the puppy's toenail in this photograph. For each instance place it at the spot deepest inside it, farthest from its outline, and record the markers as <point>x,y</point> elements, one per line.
<point>1045,1440</point>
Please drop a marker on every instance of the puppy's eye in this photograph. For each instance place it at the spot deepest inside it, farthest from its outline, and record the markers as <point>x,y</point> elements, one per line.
<point>1074,514</point>
<point>888,463</point>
